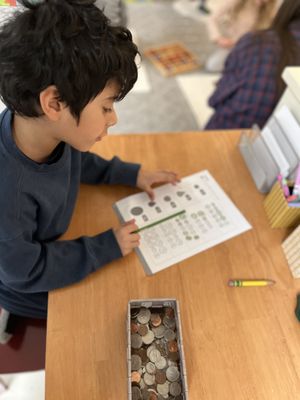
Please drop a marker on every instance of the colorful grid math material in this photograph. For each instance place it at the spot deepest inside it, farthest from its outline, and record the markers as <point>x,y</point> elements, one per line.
<point>172,59</point>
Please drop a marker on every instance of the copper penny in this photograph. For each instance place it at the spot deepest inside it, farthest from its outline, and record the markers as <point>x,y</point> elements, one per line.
<point>135,377</point>
<point>143,330</point>
<point>172,346</point>
<point>143,354</point>
<point>160,377</point>
<point>152,396</point>
<point>155,320</point>
<point>169,312</point>
<point>134,327</point>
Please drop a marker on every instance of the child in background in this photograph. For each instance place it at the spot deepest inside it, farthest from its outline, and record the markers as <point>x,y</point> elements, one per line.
<point>231,21</point>
<point>62,67</point>
<point>251,83</point>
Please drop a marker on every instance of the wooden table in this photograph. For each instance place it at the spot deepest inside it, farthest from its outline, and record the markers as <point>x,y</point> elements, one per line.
<point>240,343</point>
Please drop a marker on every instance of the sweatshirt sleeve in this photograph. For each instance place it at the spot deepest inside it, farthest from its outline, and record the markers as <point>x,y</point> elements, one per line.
<point>29,266</point>
<point>95,169</point>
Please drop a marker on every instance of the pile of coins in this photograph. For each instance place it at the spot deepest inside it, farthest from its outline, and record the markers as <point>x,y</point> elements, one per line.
<point>155,359</point>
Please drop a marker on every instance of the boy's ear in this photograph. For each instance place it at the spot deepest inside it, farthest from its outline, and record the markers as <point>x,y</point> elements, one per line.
<point>50,103</point>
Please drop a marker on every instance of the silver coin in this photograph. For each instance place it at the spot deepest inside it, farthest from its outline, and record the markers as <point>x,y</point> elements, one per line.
<point>154,355</point>
<point>136,341</point>
<point>149,379</point>
<point>161,363</point>
<point>163,389</point>
<point>175,389</point>
<point>172,374</point>
<point>169,334</point>
<point>148,338</point>
<point>144,315</point>
<point>150,348</point>
<point>169,322</point>
<point>150,368</point>
<point>136,393</point>
<point>136,362</point>
<point>159,331</point>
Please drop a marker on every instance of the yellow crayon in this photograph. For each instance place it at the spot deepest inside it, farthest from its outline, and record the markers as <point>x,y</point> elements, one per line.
<point>250,282</point>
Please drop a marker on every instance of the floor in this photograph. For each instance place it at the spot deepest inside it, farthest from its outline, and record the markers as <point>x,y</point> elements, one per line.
<point>155,104</point>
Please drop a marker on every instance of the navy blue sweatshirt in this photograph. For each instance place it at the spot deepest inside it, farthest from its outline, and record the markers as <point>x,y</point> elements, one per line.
<point>36,205</point>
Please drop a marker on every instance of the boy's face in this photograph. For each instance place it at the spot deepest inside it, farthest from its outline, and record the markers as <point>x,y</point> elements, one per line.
<point>95,119</point>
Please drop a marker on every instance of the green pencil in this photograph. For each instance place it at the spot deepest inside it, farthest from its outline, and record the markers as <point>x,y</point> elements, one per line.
<point>160,221</point>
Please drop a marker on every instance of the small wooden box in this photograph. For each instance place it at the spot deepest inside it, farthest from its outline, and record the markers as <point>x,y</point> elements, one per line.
<point>279,212</point>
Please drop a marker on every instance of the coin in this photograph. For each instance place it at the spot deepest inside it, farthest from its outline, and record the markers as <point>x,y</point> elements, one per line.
<point>136,393</point>
<point>160,377</point>
<point>134,327</point>
<point>154,355</point>
<point>144,315</point>
<point>159,331</point>
<point>175,389</point>
<point>149,379</point>
<point>161,346</point>
<point>143,330</point>
<point>135,377</point>
<point>169,322</point>
<point>169,334</point>
<point>136,341</point>
<point>136,362</point>
<point>150,348</point>
<point>155,320</point>
<point>153,396</point>
<point>163,389</point>
<point>172,374</point>
<point>161,363</point>
<point>150,368</point>
<point>169,312</point>
<point>143,354</point>
<point>148,338</point>
<point>172,346</point>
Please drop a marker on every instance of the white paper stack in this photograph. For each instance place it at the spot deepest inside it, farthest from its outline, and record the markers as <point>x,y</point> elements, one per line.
<point>275,149</point>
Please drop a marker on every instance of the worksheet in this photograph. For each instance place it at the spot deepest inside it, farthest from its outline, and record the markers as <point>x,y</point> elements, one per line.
<point>185,219</point>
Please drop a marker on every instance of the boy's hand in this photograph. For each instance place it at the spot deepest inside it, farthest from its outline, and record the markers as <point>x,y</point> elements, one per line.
<point>146,179</point>
<point>125,238</point>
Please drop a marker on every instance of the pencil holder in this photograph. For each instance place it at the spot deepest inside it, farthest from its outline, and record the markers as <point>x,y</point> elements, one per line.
<point>279,212</point>
<point>291,248</point>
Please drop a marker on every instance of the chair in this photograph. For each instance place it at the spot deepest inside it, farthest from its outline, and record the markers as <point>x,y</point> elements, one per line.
<point>25,351</point>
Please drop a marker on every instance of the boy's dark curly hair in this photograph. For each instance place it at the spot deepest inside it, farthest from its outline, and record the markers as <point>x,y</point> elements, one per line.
<point>66,43</point>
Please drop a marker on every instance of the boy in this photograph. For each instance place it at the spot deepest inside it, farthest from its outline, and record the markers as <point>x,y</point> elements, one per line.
<point>62,66</point>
